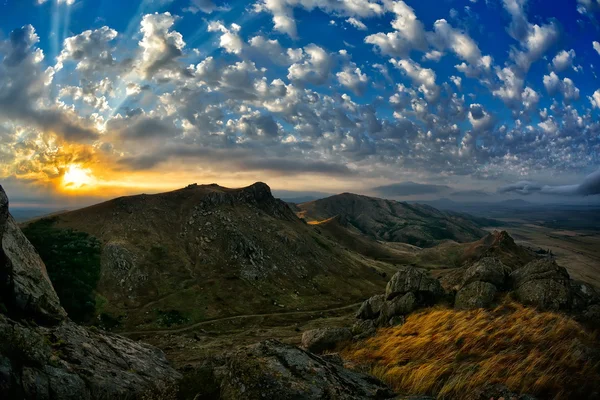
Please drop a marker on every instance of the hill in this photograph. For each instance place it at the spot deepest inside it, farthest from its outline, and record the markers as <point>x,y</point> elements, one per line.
<point>393,221</point>
<point>207,252</point>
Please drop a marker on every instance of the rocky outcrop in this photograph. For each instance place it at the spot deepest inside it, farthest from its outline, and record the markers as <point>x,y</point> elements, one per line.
<point>411,279</point>
<point>273,370</point>
<point>409,289</point>
<point>480,283</point>
<point>319,340</point>
<point>44,355</point>
<point>544,284</point>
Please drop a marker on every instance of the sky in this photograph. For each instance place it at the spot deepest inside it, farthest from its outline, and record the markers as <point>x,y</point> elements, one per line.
<point>403,99</point>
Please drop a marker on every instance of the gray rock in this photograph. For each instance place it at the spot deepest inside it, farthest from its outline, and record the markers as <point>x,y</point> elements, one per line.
<point>544,284</point>
<point>363,329</point>
<point>475,295</point>
<point>319,340</point>
<point>398,306</point>
<point>488,269</point>
<point>371,307</point>
<point>411,279</point>
<point>273,370</point>
<point>27,291</point>
<point>583,295</point>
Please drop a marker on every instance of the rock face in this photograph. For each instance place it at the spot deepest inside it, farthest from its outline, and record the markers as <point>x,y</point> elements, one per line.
<point>273,370</point>
<point>488,269</point>
<point>544,284</point>
<point>54,358</point>
<point>475,295</point>
<point>319,340</point>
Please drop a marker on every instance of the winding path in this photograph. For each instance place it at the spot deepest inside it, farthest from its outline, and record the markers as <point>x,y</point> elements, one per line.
<point>209,321</point>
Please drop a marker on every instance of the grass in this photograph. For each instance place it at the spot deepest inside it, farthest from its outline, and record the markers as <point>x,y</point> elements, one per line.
<point>447,353</point>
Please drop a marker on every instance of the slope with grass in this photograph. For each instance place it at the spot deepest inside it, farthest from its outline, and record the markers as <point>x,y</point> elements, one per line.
<point>204,252</point>
<point>393,221</point>
<point>448,353</point>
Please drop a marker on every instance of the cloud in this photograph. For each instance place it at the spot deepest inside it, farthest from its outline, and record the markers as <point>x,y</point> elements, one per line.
<point>230,39</point>
<point>205,6</point>
<point>352,78</point>
<point>356,23</point>
<point>161,47</point>
<point>566,87</point>
<point>563,60</point>
<point>596,46</point>
<point>409,189</point>
<point>423,78</point>
<point>588,187</point>
<point>315,66</point>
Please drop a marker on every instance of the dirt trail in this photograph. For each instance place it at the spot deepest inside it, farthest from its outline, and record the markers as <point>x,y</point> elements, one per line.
<point>209,321</point>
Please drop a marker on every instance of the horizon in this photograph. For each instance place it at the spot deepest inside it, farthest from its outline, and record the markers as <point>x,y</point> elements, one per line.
<point>394,99</point>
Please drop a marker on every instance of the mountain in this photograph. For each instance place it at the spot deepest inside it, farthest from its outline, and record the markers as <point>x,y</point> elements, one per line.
<point>206,252</point>
<point>393,221</point>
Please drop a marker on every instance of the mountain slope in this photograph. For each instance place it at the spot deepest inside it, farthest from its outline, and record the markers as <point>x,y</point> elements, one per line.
<point>393,221</point>
<point>207,251</point>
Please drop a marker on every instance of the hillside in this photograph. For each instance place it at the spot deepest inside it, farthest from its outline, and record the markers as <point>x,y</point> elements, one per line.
<point>393,221</point>
<point>207,252</point>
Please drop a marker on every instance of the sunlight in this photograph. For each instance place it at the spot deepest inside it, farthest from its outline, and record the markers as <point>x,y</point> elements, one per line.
<point>77,177</point>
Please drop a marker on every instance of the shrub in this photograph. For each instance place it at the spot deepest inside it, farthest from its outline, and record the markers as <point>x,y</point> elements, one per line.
<point>73,262</point>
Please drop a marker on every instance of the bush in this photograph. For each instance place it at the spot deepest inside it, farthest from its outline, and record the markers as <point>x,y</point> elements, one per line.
<point>73,263</point>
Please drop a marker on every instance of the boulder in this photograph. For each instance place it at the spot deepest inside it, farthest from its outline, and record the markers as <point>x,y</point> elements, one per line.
<point>398,306</point>
<point>583,295</point>
<point>25,287</point>
<point>273,370</point>
<point>319,340</point>
<point>475,295</point>
<point>371,307</point>
<point>411,279</point>
<point>363,329</point>
<point>488,269</point>
<point>544,284</point>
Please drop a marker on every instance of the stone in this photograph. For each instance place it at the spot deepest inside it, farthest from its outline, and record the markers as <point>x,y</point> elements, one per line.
<point>475,295</point>
<point>371,307</point>
<point>274,370</point>
<point>488,269</point>
<point>543,284</point>
<point>583,295</point>
<point>363,329</point>
<point>398,306</point>
<point>319,340</point>
<point>411,279</point>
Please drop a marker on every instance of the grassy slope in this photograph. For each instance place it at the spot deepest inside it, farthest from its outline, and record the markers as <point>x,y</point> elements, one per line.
<point>448,353</point>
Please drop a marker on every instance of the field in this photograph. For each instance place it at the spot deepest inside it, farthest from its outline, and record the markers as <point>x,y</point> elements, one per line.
<point>576,250</point>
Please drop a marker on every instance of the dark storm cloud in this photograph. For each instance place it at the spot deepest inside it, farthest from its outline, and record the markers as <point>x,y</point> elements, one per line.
<point>590,186</point>
<point>409,189</point>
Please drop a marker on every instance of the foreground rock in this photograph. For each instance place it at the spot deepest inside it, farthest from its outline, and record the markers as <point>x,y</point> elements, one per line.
<point>416,280</point>
<point>544,284</point>
<point>475,295</point>
<point>273,370</point>
<point>480,283</point>
<point>44,355</point>
<point>319,340</point>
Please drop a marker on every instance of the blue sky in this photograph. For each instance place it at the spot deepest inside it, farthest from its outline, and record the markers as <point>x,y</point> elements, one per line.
<point>103,98</point>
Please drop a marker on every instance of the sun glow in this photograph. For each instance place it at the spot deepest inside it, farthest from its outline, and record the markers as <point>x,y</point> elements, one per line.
<point>77,177</point>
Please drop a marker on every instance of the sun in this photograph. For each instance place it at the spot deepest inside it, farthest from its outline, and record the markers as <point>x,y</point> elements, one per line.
<point>76,177</point>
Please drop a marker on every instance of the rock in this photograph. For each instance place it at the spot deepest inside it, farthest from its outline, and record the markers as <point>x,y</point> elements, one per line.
<point>591,316</point>
<point>371,307</point>
<point>25,287</point>
<point>44,355</point>
<point>319,340</point>
<point>544,284</point>
<point>411,279</point>
<point>488,269</point>
<point>475,295</point>
<point>273,370</point>
<point>398,306</point>
<point>583,295</point>
<point>363,329</point>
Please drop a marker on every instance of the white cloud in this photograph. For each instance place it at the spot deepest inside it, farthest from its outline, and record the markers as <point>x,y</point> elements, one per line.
<point>315,67</point>
<point>229,40</point>
<point>356,23</point>
<point>595,99</point>
<point>352,78</point>
<point>563,60</point>
<point>566,87</point>
<point>596,46</point>
<point>161,46</point>
<point>423,78</point>
<point>66,2</point>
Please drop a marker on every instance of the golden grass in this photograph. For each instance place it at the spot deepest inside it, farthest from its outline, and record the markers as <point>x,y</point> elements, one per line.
<point>448,353</point>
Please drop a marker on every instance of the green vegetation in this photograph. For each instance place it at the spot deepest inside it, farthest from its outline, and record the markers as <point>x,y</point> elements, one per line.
<point>73,263</point>
<point>171,317</point>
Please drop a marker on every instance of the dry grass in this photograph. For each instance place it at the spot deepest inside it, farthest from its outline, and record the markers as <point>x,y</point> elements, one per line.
<point>448,353</point>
